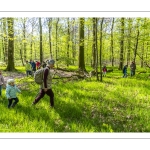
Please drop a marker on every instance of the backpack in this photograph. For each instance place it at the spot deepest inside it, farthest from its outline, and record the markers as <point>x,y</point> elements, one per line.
<point>39,75</point>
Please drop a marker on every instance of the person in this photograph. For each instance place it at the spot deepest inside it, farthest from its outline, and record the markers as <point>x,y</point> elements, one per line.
<point>46,87</point>
<point>11,93</point>
<point>125,71</point>
<point>33,64</point>
<point>38,64</point>
<point>1,82</point>
<point>104,70</point>
<point>28,68</point>
<point>132,68</point>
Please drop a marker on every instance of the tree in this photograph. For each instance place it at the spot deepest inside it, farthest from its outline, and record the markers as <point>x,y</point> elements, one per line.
<point>81,45</point>
<point>11,65</point>
<point>121,44</point>
<point>41,48</point>
<point>94,44</point>
<point>129,40</point>
<point>112,43</point>
<point>100,57</point>
<point>49,20</point>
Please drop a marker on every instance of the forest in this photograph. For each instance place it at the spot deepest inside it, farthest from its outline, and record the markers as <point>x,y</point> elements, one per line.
<point>85,100</point>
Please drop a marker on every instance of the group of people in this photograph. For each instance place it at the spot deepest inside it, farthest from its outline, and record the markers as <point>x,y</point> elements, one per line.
<point>132,69</point>
<point>31,66</point>
<point>45,87</point>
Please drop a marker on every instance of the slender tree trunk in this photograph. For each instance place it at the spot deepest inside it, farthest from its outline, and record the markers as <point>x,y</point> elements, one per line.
<point>121,44</point>
<point>136,45</point>
<point>81,45</point>
<point>142,56</point>
<point>5,43</point>
<point>24,38</point>
<point>112,43</point>
<point>129,40</point>
<point>41,42</point>
<point>96,48</point>
<point>100,53</point>
<point>94,45</point>
<point>21,56</point>
<point>68,41</point>
<point>50,41</point>
<point>11,64</point>
<point>56,38</point>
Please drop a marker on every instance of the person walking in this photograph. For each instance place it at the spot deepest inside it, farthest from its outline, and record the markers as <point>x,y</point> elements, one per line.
<point>46,86</point>
<point>28,68</point>
<point>132,68</point>
<point>104,71</point>
<point>125,71</point>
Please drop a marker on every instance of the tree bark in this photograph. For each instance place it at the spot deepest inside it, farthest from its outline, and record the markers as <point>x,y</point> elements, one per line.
<point>81,45</point>
<point>94,45</point>
<point>11,64</point>
<point>112,43</point>
<point>100,53</point>
<point>41,42</point>
<point>121,44</point>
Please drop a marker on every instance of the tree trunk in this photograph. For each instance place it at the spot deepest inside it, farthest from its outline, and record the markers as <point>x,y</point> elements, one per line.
<point>121,44</point>
<point>136,45</point>
<point>11,65</point>
<point>94,44</point>
<point>112,43</point>
<point>81,45</point>
<point>41,50</point>
<point>56,38</point>
<point>68,41</point>
<point>49,35</point>
<point>5,41</point>
<point>24,39</point>
<point>100,53</point>
<point>129,40</point>
<point>142,60</point>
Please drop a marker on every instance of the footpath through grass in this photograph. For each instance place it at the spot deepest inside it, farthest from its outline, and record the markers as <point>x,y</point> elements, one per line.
<point>115,105</point>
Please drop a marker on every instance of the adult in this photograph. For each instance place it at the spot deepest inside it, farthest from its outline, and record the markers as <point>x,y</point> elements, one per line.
<point>38,64</point>
<point>28,68</point>
<point>33,64</point>
<point>125,71</point>
<point>46,87</point>
<point>132,68</point>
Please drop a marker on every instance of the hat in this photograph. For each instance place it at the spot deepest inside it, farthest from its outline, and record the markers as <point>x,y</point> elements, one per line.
<point>10,81</point>
<point>51,62</point>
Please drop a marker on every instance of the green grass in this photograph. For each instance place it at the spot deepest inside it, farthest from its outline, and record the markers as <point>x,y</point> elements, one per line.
<point>115,105</point>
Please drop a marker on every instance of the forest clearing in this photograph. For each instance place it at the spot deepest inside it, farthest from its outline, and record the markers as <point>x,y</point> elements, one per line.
<point>86,98</point>
<point>115,105</point>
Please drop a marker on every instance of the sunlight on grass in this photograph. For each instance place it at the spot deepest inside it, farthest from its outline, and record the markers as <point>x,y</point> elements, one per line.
<point>115,105</point>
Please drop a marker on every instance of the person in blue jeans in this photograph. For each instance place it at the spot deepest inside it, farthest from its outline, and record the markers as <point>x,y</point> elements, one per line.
<point>11,93</point>
<point>1,82</point>
<point>125,71</point>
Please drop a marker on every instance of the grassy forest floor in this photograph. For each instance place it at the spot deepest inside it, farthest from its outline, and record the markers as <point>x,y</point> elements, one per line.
<point>115,105</point>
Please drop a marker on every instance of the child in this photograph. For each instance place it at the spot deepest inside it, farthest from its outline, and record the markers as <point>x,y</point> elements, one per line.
<point>1,82</point>
<point>11,91</point>
<point>125,71</point>
<point>104,70</point>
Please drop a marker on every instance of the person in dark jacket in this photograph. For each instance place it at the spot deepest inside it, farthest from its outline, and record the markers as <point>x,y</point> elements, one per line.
<point>132,68</point>
<point>46,87</point>
<point>33,64</point>
<point>125,71</point>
